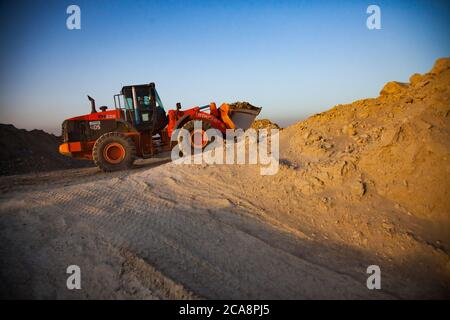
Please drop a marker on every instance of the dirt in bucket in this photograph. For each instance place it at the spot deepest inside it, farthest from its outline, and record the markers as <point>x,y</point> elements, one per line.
<point>243,105</point>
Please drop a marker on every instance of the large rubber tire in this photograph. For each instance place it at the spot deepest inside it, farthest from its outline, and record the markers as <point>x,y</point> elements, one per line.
<point>189,126</point>
<point>114,151</point>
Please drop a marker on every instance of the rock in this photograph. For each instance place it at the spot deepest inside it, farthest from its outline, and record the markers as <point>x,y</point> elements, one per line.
<point>440,65</point>
<point>349,148</point>
<point>393,87</point>
<point>326,146</point>
<point>358,188</point>
<point>389,227</point>
<point>349,129</point>
<point>415,78</point>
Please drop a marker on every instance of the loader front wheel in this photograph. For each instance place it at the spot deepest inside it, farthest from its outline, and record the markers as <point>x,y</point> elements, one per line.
<point>197,137</point>
<point>114,151</point>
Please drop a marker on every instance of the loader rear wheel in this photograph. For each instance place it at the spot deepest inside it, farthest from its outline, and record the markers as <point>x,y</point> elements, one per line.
<point>114,151</point>
<point>197,136</point>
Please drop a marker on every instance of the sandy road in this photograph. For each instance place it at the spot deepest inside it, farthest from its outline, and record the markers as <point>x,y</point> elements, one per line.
<point>182,242</point>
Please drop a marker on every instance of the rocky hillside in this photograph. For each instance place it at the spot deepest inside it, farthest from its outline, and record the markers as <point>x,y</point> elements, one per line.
<point>23,151</point>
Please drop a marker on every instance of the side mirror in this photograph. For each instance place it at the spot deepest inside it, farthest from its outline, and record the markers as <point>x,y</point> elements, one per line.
<point>178,106</point>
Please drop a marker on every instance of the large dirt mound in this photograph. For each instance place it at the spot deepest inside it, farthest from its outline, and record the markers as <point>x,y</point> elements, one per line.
<point>397,145</point>
<point>23,151</point>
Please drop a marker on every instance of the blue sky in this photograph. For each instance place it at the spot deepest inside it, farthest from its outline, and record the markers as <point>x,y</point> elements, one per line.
<point>293,58</point>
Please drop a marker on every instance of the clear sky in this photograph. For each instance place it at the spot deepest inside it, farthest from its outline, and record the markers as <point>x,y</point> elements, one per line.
<point>293,58</point>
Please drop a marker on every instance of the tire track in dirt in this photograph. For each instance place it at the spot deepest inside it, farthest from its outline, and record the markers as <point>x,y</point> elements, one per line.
<point>190,245</point>
<point>130,229</point>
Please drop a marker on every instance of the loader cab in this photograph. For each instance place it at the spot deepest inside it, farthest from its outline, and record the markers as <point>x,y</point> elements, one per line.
<point>142,107</point>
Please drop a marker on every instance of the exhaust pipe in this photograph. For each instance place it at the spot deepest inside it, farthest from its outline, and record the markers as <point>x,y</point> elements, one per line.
<point>92,100</point>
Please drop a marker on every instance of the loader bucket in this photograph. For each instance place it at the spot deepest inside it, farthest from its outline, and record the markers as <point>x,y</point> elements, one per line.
<point>239,115</point>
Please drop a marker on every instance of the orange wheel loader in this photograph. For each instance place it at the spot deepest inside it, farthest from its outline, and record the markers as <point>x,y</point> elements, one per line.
<point>138,127</point>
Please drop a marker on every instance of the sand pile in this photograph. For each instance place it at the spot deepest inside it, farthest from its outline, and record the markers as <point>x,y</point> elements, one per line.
<point>23,151</point>
<point>396,146</point>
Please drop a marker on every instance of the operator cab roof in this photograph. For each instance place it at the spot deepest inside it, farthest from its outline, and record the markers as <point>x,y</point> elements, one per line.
<point>141,89</point>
